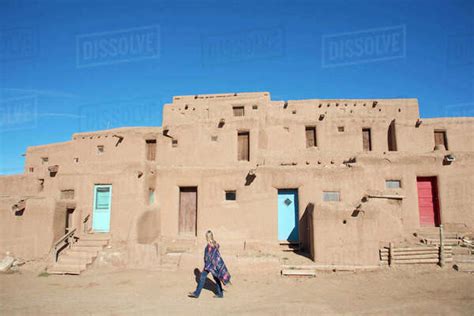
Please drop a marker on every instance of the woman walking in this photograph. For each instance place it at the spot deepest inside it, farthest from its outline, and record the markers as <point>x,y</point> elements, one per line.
<point>214,264</point>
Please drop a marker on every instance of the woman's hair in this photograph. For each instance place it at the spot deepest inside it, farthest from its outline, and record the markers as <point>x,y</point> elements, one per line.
<point>210,238</point>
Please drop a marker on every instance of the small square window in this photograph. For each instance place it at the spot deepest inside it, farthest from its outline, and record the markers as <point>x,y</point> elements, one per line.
<point>340,129</point>
<point>238,110</point>
<point>393,184</point>
<point>44,159</point>
<point>254,107</point>
<point>32,169</point>
<point>214,138</point>
<point>100,149</point>
<point>230,195</point>
<point>331,196</point>
<point>174,143</point>
<point>76,159</point>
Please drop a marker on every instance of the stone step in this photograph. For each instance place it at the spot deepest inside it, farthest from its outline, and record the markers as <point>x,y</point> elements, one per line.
<point>79,248</point>
<point>66,268</point>
<point>94,236</point>
<point>74,260</point>
<point>289,246</point>
<point>91,243</point>
<point>464,267</point>
<point>461,251</point>
<point>171,258</point>
<point>464,258</point>
<point>81,253</point>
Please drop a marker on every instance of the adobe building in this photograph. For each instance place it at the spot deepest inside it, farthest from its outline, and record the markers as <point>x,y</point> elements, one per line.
<point>341,178</point>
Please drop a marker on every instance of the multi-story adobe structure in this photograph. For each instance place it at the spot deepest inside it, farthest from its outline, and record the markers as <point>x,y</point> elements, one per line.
<point>342,177</point>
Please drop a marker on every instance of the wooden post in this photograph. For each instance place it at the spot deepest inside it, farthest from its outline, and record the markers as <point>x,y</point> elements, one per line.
<point>441,246</point>
<point>390,254</point>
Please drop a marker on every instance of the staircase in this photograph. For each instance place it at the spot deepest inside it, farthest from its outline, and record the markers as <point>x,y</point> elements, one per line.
<point>75,259</point>
<point>430,236</point>
<point>173,250</point>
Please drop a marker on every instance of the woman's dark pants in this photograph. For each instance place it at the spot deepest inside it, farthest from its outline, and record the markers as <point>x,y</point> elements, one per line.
<point>202,281</point>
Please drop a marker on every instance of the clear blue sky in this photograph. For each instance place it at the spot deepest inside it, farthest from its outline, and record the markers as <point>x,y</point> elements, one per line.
<point>53,84</point>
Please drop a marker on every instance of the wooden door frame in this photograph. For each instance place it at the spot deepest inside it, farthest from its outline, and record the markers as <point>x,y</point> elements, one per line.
<point>297,202</point>
<point>179,208</point>
<point>436,202</point>
<point>96,186</point>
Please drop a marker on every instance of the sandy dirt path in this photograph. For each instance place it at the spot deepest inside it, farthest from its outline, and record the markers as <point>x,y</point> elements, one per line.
<point>402,291</point>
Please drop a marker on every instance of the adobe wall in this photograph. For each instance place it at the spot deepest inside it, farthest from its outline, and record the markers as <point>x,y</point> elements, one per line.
<point>204,154</point>
<point>28,234</point>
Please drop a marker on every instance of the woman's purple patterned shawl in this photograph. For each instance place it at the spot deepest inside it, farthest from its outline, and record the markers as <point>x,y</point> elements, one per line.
<point>214,263</point>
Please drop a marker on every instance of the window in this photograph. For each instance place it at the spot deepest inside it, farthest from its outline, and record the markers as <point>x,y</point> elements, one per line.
<point>174,143</point>
<point>255,107</point>
<point>366,139</point>
<point>67,194</point>
<point>238,110</point>
<point>151,196</point>
<point>230,195</point>
<point>76,160</point>
<point>331,196</point>
<point>391,137</point>
<point>214,138</point>
<point>100,149</point>
<point>340,129</point>
<point>440,139</point>
<point>44,160</point>
<point>311,136</point>
<point>393,184</point>
<point>243,143</point>
<point>31,169</point>
<point>150,149</point>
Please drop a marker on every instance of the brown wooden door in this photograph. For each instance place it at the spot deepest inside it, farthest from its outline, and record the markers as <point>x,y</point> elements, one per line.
<point>366,139</point>
<point>311,136</point>
<point>150,149</point>
<point>187,210</point>
<point>243,150</point>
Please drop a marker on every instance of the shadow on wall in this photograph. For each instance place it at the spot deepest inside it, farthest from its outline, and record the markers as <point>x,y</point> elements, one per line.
<point>306,230</point>
<point>148,227</point>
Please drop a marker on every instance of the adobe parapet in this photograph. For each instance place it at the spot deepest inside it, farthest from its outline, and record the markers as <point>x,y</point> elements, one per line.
<point>255,105</point>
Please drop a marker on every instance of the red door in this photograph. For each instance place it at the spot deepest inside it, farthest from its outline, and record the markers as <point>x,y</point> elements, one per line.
<point>428,201</point>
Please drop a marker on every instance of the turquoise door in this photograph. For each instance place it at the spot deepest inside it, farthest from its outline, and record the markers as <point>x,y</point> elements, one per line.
<point>101,210</point>
<point>288,215</point>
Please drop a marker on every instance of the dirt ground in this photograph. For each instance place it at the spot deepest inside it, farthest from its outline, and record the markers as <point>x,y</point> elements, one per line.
<point>407,290</point>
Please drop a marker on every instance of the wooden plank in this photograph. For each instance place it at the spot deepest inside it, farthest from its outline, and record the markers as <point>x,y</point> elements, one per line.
<point>418,257</point>
<point>415,261</point>
<point>298,272</point>
<point>330,267</point>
